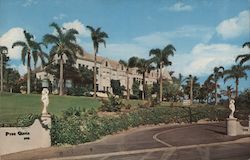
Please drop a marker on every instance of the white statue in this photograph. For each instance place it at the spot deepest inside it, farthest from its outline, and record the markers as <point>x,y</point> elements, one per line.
<point>45,100</point>
<point>232,107</point>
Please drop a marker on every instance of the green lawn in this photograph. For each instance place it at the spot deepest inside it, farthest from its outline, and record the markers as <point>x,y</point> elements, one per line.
<point>14,105</point>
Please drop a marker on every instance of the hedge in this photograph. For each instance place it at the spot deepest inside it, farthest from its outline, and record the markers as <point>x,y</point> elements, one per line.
<point>77,126</point>
<point>88,126</point>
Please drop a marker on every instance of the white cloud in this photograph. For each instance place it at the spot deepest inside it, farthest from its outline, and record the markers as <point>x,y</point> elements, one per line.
<point>60,16</point>
<point>236,26</point>
<point>203,58</point>
<point>8,38</point>
<point>79,26</point>
<point>140,46</point>
<point>179,7</point>
<point>124,51</point>
<point>28,3</point>
<point>156,39</point>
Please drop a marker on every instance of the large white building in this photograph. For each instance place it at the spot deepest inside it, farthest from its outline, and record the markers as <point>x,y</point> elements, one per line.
<point>107,70</point>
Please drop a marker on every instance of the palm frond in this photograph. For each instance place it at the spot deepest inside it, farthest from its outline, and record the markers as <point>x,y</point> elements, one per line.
<point>124,63</point>
<point>155,52</point>
<point>35,56</point>
<point>75,48</point>
<point>29,37</point>
<point>19,43</point>
<point>49,38</point>
<point>246,44</point>
<point>243,58</point>
<point>133,61</point>
<point>91,29</point>
<point>70,35</point>
<point>23,54</point>
<point>58,29</point>
<point>228,78</point>
<point>103,35</point>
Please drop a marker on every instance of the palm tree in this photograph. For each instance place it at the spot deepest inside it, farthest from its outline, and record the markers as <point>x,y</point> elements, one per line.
<point>29,48</point>
<point>64,44</point>
<point>143,66</point>
<point>218,73</point>
<point>191,82</point>
<point>236,72</point>
<point>38,53</point>
<point>97,37</point>
<point>3,50</point>
<point>161,59</point>
<point>209,87</point>
<point>244,57</point>
<point>126,64</point>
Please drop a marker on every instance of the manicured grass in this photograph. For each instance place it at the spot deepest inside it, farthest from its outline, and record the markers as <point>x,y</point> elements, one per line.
<point>14,105</point>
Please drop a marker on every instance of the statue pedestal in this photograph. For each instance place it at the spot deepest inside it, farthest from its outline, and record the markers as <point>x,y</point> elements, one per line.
<point>46,119</point>
<point>232,126</point>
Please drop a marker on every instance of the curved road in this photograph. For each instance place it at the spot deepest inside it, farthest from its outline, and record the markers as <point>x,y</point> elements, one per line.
<point>179,142</point>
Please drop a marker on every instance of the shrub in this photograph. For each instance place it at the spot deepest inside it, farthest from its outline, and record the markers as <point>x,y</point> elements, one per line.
<point>112,104</point>
<point>26,120</point>
<point>78,91</point>
<point>79,126</point>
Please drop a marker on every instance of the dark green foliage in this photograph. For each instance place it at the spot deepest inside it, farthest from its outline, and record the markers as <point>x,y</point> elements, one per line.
<point>78,126</point>
<point>116,87</point>
<point>243,101</point>
<point>26,120</point>
<point>136,89</point>
<point>11,77</point>
<point>23,121</point>
<point>171,91</point>
<point>76,91</point>
<point>112,104</point>
<point>72,111</point>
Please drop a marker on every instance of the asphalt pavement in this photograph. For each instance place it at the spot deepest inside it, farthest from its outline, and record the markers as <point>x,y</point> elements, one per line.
<point>178,142</point>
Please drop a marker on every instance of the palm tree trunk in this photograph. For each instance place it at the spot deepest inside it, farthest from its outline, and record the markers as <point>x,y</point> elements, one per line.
<point>143,86</point>
<point>61,77</point>
<point>161,82</point>
<point>128,91</point>
<point>35,81</point>
<point>236,87</point>
<point>191,91</point>
<point>216,93</point>
<point>95,73</point>
<point>28,74</point>
<point>157,82</point>
<point>1,72</point>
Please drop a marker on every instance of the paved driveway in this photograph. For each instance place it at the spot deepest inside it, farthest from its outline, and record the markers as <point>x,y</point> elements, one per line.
<point>196,141</point>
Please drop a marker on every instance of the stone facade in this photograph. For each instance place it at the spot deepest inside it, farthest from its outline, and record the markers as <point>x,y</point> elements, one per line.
<point>107,70</point>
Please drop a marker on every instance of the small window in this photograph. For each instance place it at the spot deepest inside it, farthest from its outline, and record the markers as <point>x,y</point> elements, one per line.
<point>79,65</point>
<point>97,70</point>
<point>106,64</point>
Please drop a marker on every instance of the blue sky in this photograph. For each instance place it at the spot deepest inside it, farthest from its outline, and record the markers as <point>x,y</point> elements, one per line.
<point>206,33</point>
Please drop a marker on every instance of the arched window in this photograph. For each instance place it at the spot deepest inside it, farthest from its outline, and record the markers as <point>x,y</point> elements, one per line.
<point>106,64</point>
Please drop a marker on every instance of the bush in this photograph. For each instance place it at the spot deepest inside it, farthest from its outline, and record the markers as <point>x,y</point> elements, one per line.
<point>78,91</point>
<point>243,100</point>
<point>23,121</point>
<point>79,126</point>
<point>112,104</point>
